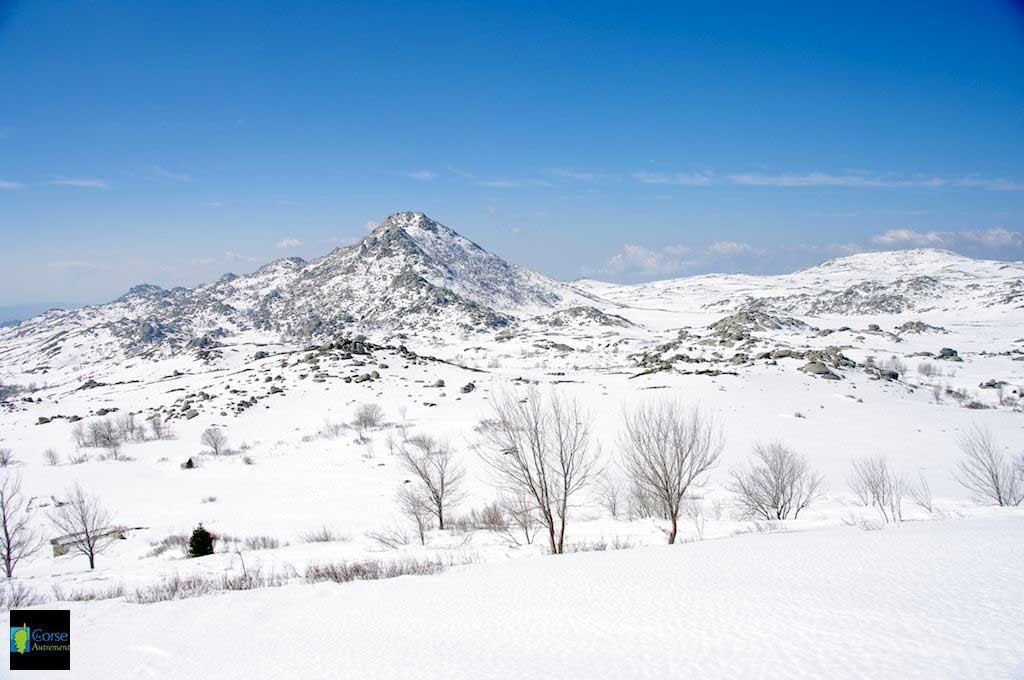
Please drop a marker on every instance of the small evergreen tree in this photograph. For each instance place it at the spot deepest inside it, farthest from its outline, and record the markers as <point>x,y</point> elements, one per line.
<point>200,543</point>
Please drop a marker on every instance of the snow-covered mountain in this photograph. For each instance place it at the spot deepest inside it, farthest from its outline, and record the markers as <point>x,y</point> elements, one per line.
<point>412,275</point>
<point>414,278</point>
<point>892,282</point>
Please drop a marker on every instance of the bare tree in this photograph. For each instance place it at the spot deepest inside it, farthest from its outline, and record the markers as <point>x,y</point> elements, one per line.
<point>127,428</point>
<point>693,509</point>
<point>6,458</point>
<point>18,540</point>
<point>921,492</point>
<point>85,523</point>
<point>522,518</point>
<point>367,417</point>
<point>415,506</point>
<point>873,479</point>
<point>215,439</point>
<point>777,484</point>
<point>51,456</point>
<point>403,421</point>
<point>78,435</point>
<point>985,472</point>
<point>103,434</point>
<point>611,493</point>
<point>157,426</point>
<point>540,447</point>
<point>667,449</point>
<point>439,476</point>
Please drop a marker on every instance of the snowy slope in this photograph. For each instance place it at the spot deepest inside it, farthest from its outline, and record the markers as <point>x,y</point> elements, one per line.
<point>935,600</point>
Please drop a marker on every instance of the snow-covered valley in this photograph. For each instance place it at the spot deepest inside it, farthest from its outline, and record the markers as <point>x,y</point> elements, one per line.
<point>896,355</point>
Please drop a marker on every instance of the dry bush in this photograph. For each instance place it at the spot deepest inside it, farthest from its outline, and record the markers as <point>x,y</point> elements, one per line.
<point>104,434</point>
<point>611,494</point>
<point>438,476</point>
<point>667,450</point>
<point>490,517</point>
<point>415,507</point>
<point>261,543</point>
<point>332,429</point>
<point>158,428</point>
<point>875,483</point>
<point>777,484</point>
<point>174,541</point>
<point>111,592</point>
<point>18,538</point>
<point>215,439</point>
<point>181,587</point>
<point>324,534</point>
<point>7,458</point>
<point>367,417</point>
<point>86,522</point>
<point>15,595</point>
<point>920,493</point>
<point>985,471</point>
<point>51,457</point>
<point>540,447</point>
<point>600,545</point>
<point>693,510</point>
<point>523,523</point>
<point>78,435</point>
<point>372,570</point>
<point>390,537</point>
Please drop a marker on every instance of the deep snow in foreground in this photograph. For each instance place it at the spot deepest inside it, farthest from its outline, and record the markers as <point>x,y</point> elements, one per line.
<point>923,600</point>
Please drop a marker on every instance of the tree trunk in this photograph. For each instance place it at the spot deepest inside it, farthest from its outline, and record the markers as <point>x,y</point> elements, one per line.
<point>675,528</point>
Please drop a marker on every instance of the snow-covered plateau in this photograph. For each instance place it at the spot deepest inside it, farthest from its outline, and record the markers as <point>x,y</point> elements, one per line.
<point>898,356</point>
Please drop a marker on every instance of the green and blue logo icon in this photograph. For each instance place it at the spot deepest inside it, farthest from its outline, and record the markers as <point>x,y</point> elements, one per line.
<point>40,640</point>
<point>21,639</point>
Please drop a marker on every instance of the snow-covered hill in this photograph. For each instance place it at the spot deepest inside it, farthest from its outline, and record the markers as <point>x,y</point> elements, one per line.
<point>893,282</point>
<point>884,354</point>
<point>412,276</point>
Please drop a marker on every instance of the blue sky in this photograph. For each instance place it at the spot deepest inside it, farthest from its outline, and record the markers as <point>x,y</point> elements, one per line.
<point>172,142</point>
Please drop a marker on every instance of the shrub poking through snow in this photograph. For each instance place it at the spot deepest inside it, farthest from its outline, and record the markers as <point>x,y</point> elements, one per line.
<point>215,440</point>
<point>200,543</point>
<point>985,472</point>
<point>778,484</point>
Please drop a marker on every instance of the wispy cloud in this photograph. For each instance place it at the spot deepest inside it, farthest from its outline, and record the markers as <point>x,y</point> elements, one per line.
<point>7,185</point>
<point>232,256</point>
<point>674,258</point>
<point>164,173</point>
<point>692,179</point>
<point>514,183</point>
<point>421,175</point>
<point>288,243</point>
<point>635,259</point>
<point>582,175</point>
<point>81,182</point>
<point>995,237</point>
<point>867,181</point>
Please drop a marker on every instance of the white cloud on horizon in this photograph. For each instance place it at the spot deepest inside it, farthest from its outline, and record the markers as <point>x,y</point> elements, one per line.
<point>995,237</point>
<point>421,175</point>
<point>80,182</point>
<point>7,185</point>
<point>288,243</point>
